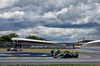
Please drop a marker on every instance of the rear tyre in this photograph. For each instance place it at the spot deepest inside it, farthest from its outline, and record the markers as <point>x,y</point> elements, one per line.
<point>8,49</point>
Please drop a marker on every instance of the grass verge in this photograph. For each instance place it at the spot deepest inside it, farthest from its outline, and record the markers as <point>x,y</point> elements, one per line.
<point>48,50</point>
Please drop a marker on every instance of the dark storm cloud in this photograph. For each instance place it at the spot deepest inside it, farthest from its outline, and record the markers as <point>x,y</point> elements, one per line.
<point>35,9</point>
<point>16,26</point>
<point>68,25</point>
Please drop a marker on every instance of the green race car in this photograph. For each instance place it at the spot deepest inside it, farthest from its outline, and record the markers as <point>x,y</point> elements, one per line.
<point>66,54</point>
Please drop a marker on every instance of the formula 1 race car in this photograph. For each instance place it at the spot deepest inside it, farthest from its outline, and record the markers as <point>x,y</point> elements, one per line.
<point>12,49</point>
<point>66,54</point>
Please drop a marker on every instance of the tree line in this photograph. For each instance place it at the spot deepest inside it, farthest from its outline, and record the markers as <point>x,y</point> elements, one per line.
<point>7,38</point>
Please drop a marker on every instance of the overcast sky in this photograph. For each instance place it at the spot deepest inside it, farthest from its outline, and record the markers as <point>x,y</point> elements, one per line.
<point>56,20</point>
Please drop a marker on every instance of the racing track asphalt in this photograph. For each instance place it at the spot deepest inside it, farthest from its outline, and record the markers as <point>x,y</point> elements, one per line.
<point>24,54</point>
<point>89,57</point>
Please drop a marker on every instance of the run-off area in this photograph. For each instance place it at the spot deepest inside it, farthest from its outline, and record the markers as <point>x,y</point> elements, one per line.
<point>24,54</point>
